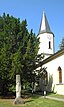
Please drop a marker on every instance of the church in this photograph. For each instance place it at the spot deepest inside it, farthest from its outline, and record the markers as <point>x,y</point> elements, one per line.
<point>53,62</point>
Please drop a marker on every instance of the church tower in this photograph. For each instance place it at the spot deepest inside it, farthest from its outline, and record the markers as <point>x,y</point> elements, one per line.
<point>46,38</point>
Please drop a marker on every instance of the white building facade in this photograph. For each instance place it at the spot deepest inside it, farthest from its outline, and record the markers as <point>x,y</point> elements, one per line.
<point>54,62</point>
<point>55,70</point>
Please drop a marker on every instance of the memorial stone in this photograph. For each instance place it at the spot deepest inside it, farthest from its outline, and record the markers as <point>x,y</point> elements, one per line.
<point>18,99</point>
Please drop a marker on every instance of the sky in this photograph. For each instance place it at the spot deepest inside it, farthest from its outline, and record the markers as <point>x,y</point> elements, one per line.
<point>32,11</point>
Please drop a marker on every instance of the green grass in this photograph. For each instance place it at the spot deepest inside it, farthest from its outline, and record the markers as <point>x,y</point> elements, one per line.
<point>56,95</point>
<point>35,101</point>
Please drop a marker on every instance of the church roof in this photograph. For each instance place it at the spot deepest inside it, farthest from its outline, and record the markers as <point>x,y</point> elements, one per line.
<point>52,57</point>
<point>44,26</point>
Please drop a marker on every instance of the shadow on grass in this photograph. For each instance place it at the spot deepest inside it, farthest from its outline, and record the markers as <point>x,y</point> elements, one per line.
<point>51,93</point>
<point>29,101</point>
<point>35,96</point>
<point>32,98</point>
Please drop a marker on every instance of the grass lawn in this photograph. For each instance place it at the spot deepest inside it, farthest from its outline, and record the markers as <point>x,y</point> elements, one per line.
<point>56,95</point>
<point>35,101</point>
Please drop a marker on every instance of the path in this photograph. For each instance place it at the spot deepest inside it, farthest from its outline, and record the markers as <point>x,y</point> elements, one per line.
<point>54,98</point>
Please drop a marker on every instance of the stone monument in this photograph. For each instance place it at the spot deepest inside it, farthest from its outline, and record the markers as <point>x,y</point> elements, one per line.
<point>18,99</point>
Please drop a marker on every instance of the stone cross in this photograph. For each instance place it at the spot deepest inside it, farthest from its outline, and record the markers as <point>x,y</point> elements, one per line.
<point>18,91</point>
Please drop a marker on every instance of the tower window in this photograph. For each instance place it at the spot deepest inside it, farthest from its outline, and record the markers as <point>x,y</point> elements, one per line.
<point>49,45</point>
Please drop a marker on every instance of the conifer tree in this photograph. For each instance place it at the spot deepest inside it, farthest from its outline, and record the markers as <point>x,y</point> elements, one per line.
<point>18,50</point>
<point>62,44</point>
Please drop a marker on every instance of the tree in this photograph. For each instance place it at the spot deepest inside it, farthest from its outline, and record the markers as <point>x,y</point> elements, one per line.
<point>62,44</point>
<point>18,50</point>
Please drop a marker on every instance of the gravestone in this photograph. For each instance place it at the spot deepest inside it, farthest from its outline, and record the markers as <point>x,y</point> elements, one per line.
<point>18,99</point>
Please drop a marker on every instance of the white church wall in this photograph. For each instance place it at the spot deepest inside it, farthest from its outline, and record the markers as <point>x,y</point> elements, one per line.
<point>59,89</point>
<point>52,69</point>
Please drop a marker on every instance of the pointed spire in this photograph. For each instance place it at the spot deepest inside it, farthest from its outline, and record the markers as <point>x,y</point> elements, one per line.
<point>44,26</point>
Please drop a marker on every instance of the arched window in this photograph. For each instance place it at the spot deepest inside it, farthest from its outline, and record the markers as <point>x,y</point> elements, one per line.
<point>45,76</point>
<point>60,74</point>
<point>49,45</point>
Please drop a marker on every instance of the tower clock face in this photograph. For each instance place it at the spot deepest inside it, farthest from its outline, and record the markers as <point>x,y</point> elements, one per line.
<point>49,37</point>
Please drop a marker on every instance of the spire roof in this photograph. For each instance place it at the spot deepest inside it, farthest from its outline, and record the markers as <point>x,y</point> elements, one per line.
<point>44,26</point>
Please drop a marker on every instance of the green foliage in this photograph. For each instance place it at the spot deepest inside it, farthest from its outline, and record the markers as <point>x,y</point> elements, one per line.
<point>62,44</point>
<point>18,50</point>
